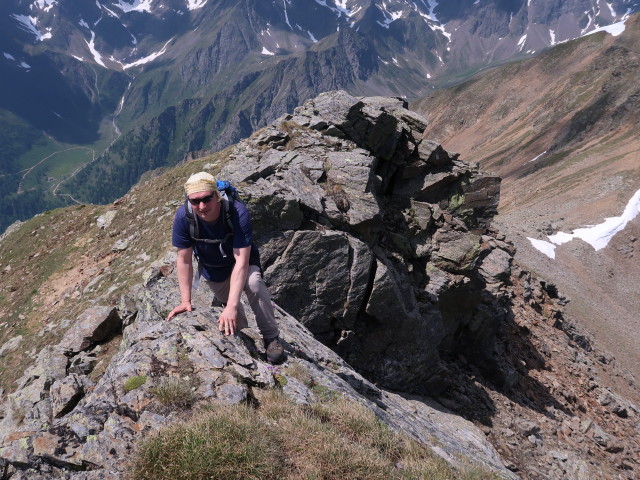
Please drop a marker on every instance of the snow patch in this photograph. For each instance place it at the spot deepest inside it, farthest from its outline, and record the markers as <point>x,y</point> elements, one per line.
<point>536,158</point>
<point>549,249</point>
<point>613,12</point>
<point>9,56</point>
<point>441,29</point>
<point>614,29</point>
<point>586,29</point>
<point>195,4</point>
<point>389,16</point>
<point>45,5</point>
<point>598,236</point>
<point>92,48</point>
<point>432,6</point>
<point>136,6</point>
<point>110,12</point>
<point>286,16</point>
<point>313,39</point>
<point>340,7</point>
<point>552,35</point>
<point>30,24</point>
<point>82,23</point>
<point>522,41</point>
<point>80,59</point>
<point>25,65</point>
<point>266,52</point>
<point>148,58</point>
<point>627,14</point>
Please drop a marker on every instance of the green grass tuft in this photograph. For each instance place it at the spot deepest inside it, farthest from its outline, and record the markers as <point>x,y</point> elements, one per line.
<point>134,382</point>
<point>174,392</point>
<point>281,379</point>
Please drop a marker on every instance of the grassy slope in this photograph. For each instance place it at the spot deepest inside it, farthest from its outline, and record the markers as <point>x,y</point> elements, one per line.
<point>333,439</point>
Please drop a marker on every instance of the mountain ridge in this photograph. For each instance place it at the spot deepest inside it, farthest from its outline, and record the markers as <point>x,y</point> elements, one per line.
<point>502,353</point>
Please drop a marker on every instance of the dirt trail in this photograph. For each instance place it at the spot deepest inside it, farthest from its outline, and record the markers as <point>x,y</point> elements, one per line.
<point>30,169</point>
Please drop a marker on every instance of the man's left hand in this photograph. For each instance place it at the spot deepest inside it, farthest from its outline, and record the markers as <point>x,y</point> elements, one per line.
<point>227,321</point>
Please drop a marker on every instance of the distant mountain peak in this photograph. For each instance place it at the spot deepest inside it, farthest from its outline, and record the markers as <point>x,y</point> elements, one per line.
<point>207,73</point>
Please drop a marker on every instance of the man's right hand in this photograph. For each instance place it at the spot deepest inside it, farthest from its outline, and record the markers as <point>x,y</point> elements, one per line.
<point>183,307</point>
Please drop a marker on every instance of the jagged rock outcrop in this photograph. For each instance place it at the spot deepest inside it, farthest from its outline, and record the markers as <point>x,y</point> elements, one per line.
<point>393,264</point>
<point>385,222</point>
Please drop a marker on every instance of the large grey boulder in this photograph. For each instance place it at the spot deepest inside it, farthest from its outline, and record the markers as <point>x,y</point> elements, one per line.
<point>378,223</point>
<point>322,277</point>
<point>10,345</point>
<point>94,325</point>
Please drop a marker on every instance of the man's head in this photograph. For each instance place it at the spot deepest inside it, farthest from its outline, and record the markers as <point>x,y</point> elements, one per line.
<point>201,182</point>
<point>201,189</point>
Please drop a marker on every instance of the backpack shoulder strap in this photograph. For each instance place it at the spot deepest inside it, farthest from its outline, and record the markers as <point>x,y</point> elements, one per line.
<point>194,232</point>
<point>228,195</point>
<point>227,211</point>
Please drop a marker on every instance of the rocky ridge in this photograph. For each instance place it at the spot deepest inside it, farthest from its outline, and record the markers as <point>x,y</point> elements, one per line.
<point>378,244</point>
<point>399,220</point>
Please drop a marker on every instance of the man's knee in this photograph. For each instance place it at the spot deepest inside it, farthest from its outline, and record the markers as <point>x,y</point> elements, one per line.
<point>255,282</point>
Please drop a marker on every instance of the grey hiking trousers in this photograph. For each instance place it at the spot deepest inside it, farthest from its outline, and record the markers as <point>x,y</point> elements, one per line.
<point>259,299</point>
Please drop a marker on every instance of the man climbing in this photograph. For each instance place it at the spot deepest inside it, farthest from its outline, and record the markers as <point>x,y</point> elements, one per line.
<point>228,260</point>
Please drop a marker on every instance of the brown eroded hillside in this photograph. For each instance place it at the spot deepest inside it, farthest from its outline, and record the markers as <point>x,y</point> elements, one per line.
<point>562,131</point>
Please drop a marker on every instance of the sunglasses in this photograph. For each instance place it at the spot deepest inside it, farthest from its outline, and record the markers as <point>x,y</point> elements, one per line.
<point>197,201</point>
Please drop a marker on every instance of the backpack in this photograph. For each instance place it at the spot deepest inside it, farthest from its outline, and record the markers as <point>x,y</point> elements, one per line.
<point>229,195</point>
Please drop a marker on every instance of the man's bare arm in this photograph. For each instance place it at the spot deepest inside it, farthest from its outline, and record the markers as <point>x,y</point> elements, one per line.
<point>184,265</point>
<point>227,320</point>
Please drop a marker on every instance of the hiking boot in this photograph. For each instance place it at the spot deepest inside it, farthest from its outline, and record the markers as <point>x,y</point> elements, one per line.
<point>275,350</point>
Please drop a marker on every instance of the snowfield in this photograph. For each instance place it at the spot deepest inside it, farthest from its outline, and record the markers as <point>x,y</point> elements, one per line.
<point>598,236</point>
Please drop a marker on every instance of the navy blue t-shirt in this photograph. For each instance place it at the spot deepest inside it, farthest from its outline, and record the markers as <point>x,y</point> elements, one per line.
<point>216,267</point>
